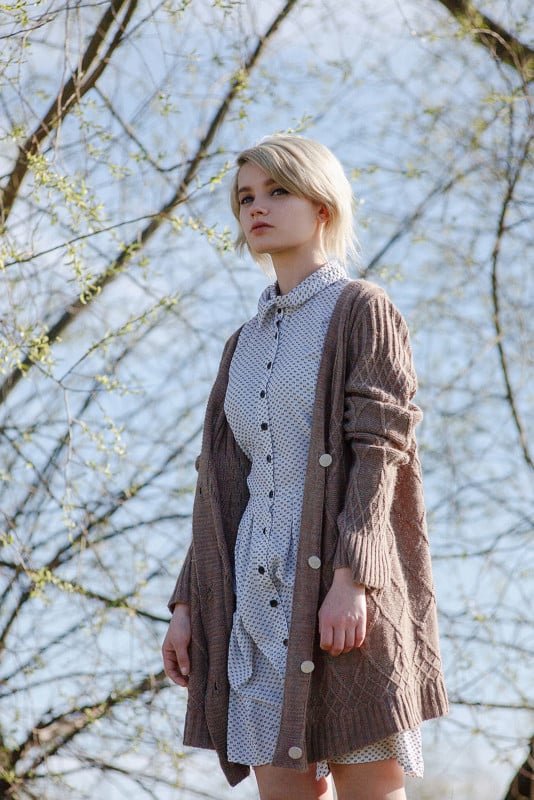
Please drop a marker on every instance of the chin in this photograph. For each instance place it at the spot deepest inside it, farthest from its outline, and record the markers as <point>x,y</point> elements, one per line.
<point>260,251</point>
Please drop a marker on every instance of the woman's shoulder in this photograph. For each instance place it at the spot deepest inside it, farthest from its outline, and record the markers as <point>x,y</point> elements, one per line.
<point>359,293</point>
<point>366,305</point>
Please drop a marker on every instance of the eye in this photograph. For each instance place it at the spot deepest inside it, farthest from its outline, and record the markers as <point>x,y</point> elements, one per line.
<point>247,198</point>
<point>279,191</point>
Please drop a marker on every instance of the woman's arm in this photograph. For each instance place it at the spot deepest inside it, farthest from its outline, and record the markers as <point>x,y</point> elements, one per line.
<point>379,425</point>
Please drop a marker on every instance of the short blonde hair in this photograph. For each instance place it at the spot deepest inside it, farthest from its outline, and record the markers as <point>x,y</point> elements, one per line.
<point>305,168</point>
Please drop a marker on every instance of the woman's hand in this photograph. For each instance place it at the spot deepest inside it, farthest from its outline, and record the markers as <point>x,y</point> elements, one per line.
<point>343,614</point>
<point>175,647</point>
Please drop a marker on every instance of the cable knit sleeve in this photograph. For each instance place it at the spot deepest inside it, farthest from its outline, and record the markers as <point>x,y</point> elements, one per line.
<point>379,424</point>
<point>182,590</point>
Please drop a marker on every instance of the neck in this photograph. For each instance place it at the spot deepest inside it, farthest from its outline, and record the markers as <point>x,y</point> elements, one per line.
<point>292,269</point>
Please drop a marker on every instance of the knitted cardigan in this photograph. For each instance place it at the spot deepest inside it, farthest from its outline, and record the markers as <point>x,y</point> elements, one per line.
<point>363,508</point>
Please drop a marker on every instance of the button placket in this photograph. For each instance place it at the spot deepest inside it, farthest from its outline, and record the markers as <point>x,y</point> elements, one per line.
<point>265,423</point>
<point>266,428</point>
<point>278,320</point>
<point>266,464</point>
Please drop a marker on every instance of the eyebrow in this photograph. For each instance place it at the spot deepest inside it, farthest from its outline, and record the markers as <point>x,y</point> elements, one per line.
<point>268,182</point>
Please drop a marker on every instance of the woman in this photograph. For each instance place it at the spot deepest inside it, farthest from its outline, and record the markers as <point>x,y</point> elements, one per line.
<point>303,620</point>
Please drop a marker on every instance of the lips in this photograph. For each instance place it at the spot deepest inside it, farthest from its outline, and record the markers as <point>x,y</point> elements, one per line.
<point>260,226</point>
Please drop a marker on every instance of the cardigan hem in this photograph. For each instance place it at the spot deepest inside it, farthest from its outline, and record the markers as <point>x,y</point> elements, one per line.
<point>333,737</point>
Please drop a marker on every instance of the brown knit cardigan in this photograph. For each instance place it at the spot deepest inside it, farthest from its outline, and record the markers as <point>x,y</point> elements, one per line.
<point>364,510</point>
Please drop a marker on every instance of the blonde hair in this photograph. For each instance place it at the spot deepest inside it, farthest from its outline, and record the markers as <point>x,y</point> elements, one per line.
<point>305,168</point>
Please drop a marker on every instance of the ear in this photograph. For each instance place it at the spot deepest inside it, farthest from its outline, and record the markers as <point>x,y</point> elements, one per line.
<point>323,213</point>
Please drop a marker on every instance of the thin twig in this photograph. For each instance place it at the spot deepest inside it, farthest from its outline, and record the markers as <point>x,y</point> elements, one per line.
<point>501,228</point>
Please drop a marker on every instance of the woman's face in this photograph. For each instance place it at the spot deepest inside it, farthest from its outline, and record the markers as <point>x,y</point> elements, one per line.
<point>273,220</point>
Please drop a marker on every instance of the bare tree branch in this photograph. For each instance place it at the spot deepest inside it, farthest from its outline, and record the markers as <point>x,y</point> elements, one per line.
<point>69,550</point>
<point>458,701</point>
<point>497,322</point>
<point>79,83</point>
<point>117,266</point>
<point>502,44</point>
<point>409,221</point>
<point>49,736</point>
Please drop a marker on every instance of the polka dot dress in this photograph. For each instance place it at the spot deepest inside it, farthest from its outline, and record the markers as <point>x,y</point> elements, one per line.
<point>406,747</point>
<point>269,406</point>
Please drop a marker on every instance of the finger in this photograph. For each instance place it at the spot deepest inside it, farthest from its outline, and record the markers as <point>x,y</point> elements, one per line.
<point>338,643</point>
<point>172,667</point>
<point>349,639</point>
<point>177,678</point>
<point>172,671</point>
<point>183,661</point>
<point>327,637</point>
<point>361,629</point>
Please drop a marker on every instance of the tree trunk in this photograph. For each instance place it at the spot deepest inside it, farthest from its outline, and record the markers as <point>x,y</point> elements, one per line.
<point>522,786</point>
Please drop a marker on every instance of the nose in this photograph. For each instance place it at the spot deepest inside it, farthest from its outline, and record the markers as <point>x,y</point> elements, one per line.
<point>257,209</point>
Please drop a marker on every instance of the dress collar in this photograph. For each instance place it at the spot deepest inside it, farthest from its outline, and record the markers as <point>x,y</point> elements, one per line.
<point>271,300</point>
